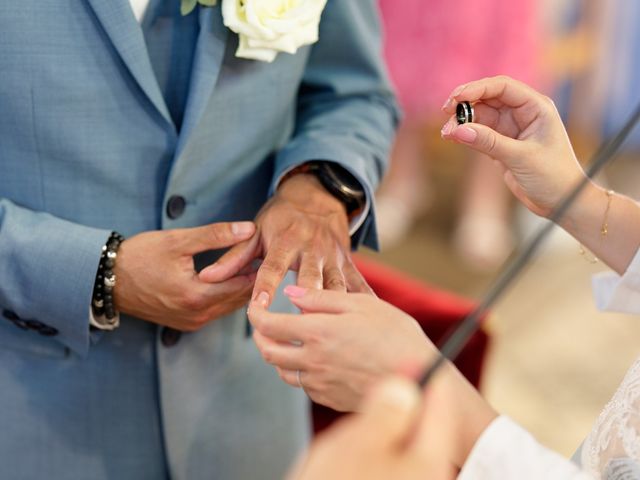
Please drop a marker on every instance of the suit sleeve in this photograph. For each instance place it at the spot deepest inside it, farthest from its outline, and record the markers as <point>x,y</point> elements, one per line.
<point>346,109</point>
<point>47,270</point>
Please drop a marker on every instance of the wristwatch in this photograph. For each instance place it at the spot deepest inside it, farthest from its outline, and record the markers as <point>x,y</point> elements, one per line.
<point>338,181</point>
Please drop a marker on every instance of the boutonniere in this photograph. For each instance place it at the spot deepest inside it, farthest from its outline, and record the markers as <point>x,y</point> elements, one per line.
<point>267,27</point>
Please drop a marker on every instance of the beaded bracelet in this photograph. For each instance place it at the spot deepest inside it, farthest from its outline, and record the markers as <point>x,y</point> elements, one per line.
<point>102,305</point>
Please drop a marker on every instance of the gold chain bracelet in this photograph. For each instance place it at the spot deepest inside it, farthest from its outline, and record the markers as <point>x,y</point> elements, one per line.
<point>604,229</point>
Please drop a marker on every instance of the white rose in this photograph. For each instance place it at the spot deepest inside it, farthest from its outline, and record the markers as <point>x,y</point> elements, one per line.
<point>266,27</point>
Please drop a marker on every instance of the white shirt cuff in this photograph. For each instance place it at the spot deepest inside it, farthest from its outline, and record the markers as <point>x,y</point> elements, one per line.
<point>619,293</point>
<point>506,451</point>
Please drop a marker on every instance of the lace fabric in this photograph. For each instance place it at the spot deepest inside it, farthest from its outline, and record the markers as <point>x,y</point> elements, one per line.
<point>612,449</point>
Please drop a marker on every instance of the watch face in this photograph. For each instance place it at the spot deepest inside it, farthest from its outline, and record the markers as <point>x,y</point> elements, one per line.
<point>343,180</point>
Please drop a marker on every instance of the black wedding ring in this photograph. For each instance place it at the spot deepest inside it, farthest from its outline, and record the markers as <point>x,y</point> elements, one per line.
<point>464,113</point>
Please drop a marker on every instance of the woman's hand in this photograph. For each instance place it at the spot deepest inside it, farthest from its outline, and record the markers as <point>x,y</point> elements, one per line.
<point>400,435</point>
<point>341,345</point>
<point>522,130</point>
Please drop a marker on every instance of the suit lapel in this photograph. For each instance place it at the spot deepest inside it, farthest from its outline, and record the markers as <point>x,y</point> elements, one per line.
<point>125,33</point>
<point>206,67</point>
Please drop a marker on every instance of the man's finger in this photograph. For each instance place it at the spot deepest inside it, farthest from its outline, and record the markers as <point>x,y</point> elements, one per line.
<point>321,301</point>
<point>215,236</point>
<point>232,262</point>
<point>274,267</point>
<point>333,277</point>
<point>217,292</point>
<point>355,281</point>
<point>310,271</point>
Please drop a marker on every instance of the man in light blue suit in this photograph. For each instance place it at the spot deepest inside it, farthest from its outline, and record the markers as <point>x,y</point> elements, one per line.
<point>156,130</point>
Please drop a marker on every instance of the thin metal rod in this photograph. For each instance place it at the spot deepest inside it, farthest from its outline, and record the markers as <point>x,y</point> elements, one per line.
<point>463,332</point>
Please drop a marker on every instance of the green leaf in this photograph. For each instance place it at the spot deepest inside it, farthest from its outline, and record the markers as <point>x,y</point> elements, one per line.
<point>187,6</point>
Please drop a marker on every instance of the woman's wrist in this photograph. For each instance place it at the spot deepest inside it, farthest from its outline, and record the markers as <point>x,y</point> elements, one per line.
<point>474,418</point>
<point>585,215</point>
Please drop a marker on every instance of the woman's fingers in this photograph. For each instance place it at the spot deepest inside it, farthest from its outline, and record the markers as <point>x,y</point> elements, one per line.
<point>494,91</point>
<point>484,140</point>
<point>288,356</point>
<point>323,301</point>
<point>282,327</point>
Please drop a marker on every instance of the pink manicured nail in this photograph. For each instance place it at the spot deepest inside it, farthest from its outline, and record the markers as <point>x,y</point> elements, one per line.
<point>240,229</point>
<point>294,291</point>
<point>448,103</point>
<point>466,134</point>
<point>263,299</point>
<point>446,129</point>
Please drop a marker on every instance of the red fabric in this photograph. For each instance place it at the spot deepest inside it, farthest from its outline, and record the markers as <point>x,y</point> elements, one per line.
<point>436,311</point>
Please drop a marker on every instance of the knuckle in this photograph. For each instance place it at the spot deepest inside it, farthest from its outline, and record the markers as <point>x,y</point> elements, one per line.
<point>273,267</point>
<point>192,301</point>
<point>489,143</point>
<point>267,354</point>
<point>336,282</point>
<point>283,376</point>
<point>549,101</point>
<point>220,232</point>
<point>171,240</point>
<point>317,336</point>
<point>266,328</point>
<point>192,326</point>
<point>201,319</point>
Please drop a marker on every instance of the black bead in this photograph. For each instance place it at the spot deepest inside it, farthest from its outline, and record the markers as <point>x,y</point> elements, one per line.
<point>109,263</point>
<point>107,289</point>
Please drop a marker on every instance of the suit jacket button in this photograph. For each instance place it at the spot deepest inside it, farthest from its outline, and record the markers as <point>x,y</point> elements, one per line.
<point>176,206</point>
<point>169,336</point>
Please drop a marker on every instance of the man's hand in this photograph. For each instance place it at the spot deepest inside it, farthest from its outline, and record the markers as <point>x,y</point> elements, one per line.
<point>302,228</point>
<point>157,281</point>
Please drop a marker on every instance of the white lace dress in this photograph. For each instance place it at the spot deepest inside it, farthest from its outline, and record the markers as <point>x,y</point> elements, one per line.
<point>611,451</point>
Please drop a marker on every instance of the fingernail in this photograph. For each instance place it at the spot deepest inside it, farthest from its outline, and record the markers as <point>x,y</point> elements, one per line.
<point>466,134</point>
<point>240,229</point>
<point>294,291</point>
<point>447,103</point>
<point>263,299</point>
<point>446,129</point>
<point>458,91</point>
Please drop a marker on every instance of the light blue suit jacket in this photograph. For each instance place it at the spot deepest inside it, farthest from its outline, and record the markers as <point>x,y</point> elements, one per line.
<point>87,146</point>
